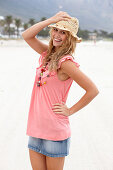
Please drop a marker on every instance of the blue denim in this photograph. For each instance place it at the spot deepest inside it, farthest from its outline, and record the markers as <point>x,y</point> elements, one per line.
<point>49,147</point>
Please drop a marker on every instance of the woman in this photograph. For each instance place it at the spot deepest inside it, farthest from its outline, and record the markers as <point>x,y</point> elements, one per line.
<point>48,125</point>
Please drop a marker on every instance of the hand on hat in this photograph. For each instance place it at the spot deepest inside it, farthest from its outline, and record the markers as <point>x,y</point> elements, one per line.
<point>60,16</point>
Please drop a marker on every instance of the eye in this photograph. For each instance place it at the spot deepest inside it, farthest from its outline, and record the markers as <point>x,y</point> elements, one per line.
<point>63,32</point>
<point>55,29</point>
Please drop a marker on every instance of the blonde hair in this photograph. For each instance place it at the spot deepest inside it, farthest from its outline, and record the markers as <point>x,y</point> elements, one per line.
<point>53,56</point>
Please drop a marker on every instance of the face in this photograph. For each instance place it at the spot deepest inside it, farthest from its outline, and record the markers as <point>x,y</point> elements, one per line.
<point>58,36</point>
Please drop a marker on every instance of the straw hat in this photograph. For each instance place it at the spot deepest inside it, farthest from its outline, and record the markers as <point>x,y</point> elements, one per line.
<point>71,25</point>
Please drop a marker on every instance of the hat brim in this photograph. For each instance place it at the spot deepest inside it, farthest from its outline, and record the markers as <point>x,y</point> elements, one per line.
<point>62,28</point>
<point>55,26</point>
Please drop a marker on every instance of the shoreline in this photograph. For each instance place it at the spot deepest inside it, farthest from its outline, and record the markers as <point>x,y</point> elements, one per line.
<point>22,43</point>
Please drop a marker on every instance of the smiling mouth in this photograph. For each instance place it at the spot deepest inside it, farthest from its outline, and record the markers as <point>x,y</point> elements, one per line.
<point>56,40</point>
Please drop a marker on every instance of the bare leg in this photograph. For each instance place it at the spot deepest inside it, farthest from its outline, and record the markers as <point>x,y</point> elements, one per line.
<point>38,160</point>
<point>55,163</point>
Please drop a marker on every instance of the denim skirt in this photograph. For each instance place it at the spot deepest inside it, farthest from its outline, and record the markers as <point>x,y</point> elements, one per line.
<point>49,147</point>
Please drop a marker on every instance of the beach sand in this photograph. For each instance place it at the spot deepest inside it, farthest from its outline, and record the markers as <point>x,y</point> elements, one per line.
<point>92,127</point>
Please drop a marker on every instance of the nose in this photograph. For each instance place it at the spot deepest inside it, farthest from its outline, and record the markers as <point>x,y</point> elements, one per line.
<point>57,34</point>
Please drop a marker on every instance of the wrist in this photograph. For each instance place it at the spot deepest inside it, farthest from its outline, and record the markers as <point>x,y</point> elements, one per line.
<point>51,20</point>
<point>70,111</point>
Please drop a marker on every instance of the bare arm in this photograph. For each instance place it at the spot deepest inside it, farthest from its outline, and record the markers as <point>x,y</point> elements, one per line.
<point>82,80</point>
<point>29,35</point>
<point>35,29</point>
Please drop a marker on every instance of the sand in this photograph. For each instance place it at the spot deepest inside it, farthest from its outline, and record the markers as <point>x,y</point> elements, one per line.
<point>92,127</point>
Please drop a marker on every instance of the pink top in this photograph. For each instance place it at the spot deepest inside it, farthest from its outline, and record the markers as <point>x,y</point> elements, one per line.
<point>42,121</point>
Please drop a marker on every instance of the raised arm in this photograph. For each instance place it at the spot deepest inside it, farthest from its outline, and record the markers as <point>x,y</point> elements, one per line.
<point>29,34</point>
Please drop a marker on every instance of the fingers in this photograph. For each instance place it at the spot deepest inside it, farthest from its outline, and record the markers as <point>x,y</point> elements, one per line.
<point>65,18</point>
<point>57,109</point>
<point>61,15</point>
<point>56,104</point>
<point>64,15</point>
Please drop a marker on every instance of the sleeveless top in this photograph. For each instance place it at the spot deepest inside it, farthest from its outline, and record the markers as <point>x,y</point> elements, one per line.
<point>42,121</point>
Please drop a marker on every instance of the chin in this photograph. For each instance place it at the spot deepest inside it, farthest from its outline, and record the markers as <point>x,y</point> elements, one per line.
<point>56,45</point>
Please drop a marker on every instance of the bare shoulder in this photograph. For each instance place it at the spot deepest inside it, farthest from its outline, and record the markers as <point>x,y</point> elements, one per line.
<point>68,67</point>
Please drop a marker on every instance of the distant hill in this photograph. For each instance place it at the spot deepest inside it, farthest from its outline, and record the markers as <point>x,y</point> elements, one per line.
<point>92,14</point>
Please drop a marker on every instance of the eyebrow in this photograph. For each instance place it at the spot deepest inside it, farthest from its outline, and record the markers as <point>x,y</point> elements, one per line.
<point>59,29</point>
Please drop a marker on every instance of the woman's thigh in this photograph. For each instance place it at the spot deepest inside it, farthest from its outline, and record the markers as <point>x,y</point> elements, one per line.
<point>55,163</point>
<point>38,160</point>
